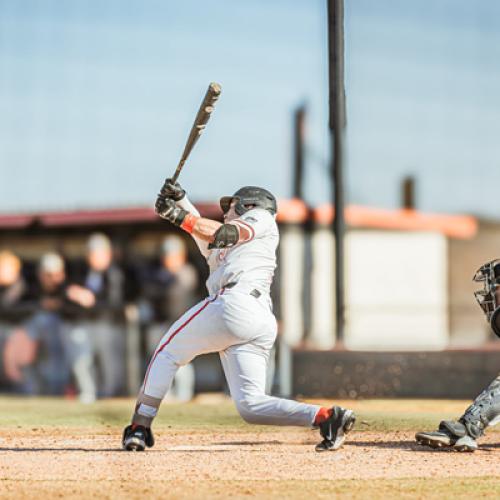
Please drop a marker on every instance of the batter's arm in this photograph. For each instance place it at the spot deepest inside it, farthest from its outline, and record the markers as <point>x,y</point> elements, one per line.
<point>174,191</point>
<point>202,244</point>
<point>209,231</point>
<point>220,235</point>
<point>205,229</point>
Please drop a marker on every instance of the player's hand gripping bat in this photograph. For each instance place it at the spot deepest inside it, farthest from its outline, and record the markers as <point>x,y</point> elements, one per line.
<point>204,113</point>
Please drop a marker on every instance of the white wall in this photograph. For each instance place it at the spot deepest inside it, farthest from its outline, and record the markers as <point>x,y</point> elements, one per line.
<point>292,283</point>
<point>323,321</point>
<point>396,290</point>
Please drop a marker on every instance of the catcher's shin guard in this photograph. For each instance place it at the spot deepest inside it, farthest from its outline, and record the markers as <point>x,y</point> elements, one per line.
<point>484,411</point>
<point>137,437</point>
<point>334,429</point>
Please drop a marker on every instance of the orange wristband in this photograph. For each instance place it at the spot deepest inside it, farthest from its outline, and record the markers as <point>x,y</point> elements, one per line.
<point>188,223</point>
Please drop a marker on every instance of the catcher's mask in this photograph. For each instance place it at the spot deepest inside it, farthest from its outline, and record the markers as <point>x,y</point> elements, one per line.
<point>488,297</point>
<point>249,197</point>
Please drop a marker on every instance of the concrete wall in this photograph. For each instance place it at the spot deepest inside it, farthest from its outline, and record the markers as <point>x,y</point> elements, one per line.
<point>447,374</point>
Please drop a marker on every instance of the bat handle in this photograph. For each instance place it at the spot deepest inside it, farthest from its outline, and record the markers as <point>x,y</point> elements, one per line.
<point>177,171</point>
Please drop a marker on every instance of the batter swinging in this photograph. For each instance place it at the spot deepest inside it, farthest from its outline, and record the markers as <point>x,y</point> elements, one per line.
<point>235,320</point>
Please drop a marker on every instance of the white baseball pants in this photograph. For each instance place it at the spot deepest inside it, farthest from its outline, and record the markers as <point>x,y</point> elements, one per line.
<point>242,329</point>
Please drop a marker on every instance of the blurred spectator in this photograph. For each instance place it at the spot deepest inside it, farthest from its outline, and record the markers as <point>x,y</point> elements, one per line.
<point>53,328</point>
<point>168,289</point>
<point>97,340</point>
<point>35,354</point>
<point>12,289</point>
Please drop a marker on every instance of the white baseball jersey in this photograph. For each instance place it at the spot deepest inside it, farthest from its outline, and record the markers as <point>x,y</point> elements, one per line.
<point>251,262</point>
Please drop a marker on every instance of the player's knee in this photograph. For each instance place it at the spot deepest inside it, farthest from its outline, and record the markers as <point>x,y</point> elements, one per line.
<point>250,410</point>
<point>168,358</point>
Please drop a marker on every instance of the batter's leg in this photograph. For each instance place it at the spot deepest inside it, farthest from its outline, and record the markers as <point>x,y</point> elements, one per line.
<point>245,369</point>
<point>198,331</point>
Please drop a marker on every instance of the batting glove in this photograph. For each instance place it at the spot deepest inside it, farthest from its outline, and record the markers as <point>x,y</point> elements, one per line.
<point>172,190</point>
<point>168,210</point>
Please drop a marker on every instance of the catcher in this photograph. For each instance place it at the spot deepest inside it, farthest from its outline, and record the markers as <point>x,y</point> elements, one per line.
<point>462,435</point>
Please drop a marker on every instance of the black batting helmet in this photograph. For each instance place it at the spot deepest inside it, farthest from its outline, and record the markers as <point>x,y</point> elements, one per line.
<point>249,197</point>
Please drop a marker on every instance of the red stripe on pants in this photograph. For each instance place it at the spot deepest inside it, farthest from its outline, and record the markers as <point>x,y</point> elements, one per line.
<point>172,336</point>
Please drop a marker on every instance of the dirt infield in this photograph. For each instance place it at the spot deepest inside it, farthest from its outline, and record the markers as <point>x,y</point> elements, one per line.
<point>203,450</point>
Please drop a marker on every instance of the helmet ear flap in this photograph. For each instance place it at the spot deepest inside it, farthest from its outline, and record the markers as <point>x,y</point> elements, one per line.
<point>239,208</point>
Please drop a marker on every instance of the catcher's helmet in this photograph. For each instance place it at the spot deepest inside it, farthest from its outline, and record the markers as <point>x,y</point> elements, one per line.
<point>249,197</point>
<point>488,297</point>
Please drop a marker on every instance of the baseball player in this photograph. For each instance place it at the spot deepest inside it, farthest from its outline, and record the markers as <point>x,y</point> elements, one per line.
<point>235,319</point>
<point>484,412</point>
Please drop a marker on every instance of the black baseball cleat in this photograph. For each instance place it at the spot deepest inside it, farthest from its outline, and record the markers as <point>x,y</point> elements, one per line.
<point>449,435</point>
<point>334,429</point>
<point>137,437</point>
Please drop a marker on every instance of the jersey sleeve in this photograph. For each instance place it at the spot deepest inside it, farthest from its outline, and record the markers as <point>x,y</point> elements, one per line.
<point>257,222</point>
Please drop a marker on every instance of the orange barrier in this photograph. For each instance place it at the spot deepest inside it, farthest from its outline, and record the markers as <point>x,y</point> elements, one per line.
<point>455,226</point>
<point>293,211</point>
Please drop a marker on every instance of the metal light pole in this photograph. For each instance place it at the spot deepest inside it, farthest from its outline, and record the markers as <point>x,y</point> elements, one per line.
<point>299,116</point>
<point>337,121</point>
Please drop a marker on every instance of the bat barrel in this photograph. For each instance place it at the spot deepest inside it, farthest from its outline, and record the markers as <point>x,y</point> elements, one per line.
<point>207,106</point>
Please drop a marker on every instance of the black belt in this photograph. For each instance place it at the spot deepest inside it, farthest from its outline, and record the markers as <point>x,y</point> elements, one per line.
<point>254,293</point>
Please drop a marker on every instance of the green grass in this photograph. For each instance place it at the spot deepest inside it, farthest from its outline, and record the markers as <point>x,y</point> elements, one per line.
<point>52,412</point>
<point>373,415</point>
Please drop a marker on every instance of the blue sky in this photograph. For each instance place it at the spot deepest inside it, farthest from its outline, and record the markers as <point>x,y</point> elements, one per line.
<point>97,98</point>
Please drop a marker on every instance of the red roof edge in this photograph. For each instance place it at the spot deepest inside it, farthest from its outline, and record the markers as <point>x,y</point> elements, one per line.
<point>291,211</point>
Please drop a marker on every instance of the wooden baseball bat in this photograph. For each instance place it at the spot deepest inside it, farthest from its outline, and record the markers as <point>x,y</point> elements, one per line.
<point>202,117</point>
